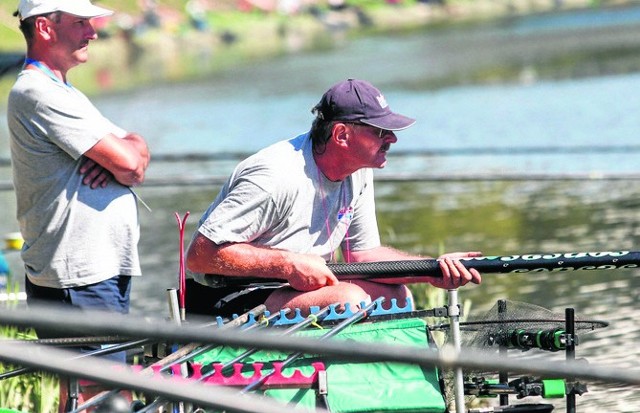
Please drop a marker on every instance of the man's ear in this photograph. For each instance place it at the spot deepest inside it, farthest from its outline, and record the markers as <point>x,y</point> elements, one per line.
<point>341,133</point>
<point>43,28</point>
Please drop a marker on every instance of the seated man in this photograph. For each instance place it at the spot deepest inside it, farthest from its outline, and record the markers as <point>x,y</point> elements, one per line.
<point>285,210</point>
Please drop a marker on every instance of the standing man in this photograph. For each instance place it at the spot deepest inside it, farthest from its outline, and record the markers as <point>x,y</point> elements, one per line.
<point>285,210</point>
<point>73,169</point>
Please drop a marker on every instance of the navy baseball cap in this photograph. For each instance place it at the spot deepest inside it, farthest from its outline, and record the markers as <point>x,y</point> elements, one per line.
<point>356,100</point>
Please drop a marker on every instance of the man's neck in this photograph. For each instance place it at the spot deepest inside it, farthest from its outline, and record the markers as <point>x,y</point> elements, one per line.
<point>331,169</point>
<point>49,63</point>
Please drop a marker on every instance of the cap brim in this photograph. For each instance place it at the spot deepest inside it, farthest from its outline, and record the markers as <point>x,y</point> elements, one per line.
<point>91,12</point>
<point>79,11</point>
<point>392,121</point>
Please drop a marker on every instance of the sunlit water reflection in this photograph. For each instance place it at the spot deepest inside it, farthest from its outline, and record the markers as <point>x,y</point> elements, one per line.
<point>254,106</point>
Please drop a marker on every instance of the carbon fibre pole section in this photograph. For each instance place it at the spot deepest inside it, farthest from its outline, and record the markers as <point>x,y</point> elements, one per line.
<point>555,262</point>
<point>526,263</point>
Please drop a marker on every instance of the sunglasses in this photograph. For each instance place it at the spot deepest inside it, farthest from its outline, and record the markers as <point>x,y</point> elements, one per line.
<point>380,132</point>
<point>383,132</point>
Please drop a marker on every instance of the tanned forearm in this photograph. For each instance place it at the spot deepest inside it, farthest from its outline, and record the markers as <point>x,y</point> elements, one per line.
<point>302,271</point>
<point>237,260</point>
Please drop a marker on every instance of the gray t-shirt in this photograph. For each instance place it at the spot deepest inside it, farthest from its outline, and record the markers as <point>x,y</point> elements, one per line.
<point>279,198</point>
<point>74,235</point>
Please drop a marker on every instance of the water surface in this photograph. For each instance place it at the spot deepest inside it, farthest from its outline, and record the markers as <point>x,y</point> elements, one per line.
<point>557,82</point>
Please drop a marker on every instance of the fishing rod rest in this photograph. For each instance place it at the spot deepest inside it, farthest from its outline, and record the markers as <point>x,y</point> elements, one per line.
<point>522,387</point>
<point>554,339</point>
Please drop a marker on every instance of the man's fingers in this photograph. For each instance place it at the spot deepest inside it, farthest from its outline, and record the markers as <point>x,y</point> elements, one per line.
<point>446,272</point>
<point>455,274</point>
<point>477,278</point>
<point>464,272</point>
<point>87,165</point>
<point>101,180</point>
<point>95,175</point>
<point>90,175</point>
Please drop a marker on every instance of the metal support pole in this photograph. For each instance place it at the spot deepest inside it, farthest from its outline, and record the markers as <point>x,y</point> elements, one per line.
<point>174,314</point>
<point>570,329</point>
<point>454,320</point>
<point>503,376</point>
<point>72,393</point>
<point>174,308</point>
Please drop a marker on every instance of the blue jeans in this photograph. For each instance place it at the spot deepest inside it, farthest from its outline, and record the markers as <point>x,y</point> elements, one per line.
<point>109,295</point>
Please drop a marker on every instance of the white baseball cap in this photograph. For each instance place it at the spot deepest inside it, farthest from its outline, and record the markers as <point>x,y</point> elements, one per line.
<point>80,8</point>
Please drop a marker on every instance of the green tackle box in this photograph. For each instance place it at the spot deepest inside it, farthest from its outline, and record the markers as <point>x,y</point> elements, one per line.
<point>357,386</point>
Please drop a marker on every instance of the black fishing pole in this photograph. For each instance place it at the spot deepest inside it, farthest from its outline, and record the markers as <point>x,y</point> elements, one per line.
<point>507,264</point>
<point>115,348</point>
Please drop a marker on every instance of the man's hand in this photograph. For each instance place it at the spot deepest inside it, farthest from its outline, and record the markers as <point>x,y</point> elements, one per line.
<point>125,158</point>
<point>454,273</point>
<point>94,175</point>
<point>309,272</point>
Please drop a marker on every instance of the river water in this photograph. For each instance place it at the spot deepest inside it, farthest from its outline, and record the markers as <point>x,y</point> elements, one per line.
<point>552,95</point>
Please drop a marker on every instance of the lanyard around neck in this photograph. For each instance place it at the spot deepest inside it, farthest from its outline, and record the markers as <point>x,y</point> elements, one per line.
<point>44,69</point>
<point>344,208</point>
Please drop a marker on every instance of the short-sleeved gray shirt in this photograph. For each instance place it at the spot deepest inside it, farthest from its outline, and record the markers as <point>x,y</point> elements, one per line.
<point>74,235</point>
<point>279,198</point>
